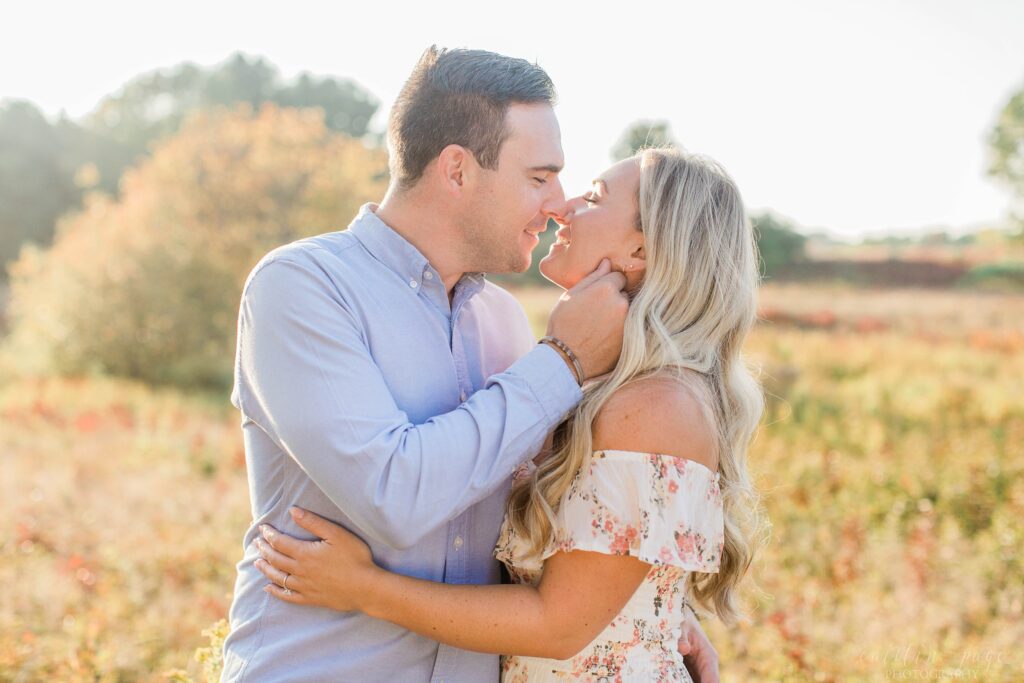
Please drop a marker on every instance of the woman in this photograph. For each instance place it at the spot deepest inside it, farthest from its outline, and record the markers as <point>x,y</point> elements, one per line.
<point>643,495</point>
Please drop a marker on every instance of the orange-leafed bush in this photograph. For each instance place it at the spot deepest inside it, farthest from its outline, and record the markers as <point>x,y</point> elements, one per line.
<point>148,286</point>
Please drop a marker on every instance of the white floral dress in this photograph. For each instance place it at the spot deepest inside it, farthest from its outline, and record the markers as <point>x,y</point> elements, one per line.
<point>659,508</point>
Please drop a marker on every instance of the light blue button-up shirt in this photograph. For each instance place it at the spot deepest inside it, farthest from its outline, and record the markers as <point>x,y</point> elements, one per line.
<point>369,399</point>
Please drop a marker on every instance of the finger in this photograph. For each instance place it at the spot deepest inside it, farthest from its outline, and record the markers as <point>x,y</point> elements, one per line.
<point>293,597</point>
<point>283,543</point>
<point>602,269</point>
<point>616,279</point>
<point>273,573</point>
<point>708,673</point>
<point>318,526</point>
<point>684,645</point>
<point>279,561</point>
<point>707,667</point>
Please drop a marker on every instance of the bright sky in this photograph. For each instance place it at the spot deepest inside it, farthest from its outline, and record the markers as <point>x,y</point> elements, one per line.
<point>856,117</point>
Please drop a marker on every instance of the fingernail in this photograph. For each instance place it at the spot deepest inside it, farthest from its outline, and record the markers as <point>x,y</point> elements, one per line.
<point>297,512</point>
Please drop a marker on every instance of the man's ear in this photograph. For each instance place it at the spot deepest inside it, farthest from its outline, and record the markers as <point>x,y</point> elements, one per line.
<point>454,168</point>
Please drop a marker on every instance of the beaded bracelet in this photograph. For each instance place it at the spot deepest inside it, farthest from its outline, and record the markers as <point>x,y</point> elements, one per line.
<point>558,343</point>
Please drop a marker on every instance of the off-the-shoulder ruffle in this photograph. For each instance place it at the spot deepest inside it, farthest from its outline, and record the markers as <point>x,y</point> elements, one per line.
<point>659,508</point>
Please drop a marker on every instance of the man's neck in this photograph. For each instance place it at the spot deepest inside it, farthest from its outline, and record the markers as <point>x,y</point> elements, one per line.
<point>426,229</point>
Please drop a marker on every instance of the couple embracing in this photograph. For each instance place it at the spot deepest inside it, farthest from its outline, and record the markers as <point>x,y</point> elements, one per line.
<point>431,487</point>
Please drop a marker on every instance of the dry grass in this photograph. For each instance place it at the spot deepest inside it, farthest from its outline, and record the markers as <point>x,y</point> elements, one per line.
<point>891,461</point>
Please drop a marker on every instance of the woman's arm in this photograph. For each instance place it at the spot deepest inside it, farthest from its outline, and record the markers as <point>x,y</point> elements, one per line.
<point>578,596</point>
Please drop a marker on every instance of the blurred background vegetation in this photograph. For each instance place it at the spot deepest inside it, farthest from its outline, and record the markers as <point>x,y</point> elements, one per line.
<point>891,455</point>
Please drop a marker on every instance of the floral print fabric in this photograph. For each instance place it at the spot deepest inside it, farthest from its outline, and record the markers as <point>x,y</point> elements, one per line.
<point>662,509</point>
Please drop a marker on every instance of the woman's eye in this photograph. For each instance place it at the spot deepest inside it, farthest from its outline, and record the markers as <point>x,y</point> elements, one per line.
<point>589,199</point>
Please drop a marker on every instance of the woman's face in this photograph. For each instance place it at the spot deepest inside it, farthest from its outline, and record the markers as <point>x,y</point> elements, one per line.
<point>600,224</point>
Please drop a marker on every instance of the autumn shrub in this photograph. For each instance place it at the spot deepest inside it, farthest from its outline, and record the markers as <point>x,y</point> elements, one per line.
<point>147,286</point>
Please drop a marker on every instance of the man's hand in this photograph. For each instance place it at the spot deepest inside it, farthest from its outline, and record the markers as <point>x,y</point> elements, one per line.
<point>698,654</point>
<point>589,318</point>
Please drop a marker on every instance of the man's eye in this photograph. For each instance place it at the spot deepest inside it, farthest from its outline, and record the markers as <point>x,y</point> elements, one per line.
<point>540,180</point>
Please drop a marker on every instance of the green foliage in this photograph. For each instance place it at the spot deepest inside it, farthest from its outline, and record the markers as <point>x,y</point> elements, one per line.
<point>41,163</point>
<point>36,177</point>
<point>640,135</point>
<point>1006,149</point>
<point>211,656</point>
<point>147,286</point>
<point>999,276</point>
<point>778,242</point>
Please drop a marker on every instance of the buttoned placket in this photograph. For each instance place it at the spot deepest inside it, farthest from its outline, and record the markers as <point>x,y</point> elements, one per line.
<point>456,565</point>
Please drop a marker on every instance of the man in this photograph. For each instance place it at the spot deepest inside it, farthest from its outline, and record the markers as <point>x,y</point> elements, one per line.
<point>386,385</point>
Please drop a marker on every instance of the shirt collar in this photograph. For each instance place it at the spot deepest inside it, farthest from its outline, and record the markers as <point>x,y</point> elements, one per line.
<point>399,255</point>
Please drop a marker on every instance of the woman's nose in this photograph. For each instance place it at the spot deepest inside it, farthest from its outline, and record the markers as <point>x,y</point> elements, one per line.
<point>562,213</point>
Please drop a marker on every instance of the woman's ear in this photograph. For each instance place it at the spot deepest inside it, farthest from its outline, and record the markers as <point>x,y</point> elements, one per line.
<point>634,266</point>
<point>637,260</point>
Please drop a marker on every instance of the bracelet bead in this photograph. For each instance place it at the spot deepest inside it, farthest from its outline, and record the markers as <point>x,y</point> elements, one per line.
<point>558,343</point>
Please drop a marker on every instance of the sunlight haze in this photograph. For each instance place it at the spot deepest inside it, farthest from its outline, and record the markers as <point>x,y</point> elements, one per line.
<point>855,118</point>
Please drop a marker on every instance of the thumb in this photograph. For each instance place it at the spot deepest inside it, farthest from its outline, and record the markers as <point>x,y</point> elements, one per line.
<point>684,644</point>
<point>602,269</point>
<point>313,523</point>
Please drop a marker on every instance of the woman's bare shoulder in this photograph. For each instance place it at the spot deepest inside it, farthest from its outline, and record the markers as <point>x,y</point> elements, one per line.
<point>658,415</point>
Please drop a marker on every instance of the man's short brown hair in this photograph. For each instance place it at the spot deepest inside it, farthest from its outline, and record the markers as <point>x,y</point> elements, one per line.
<point>459,97</point>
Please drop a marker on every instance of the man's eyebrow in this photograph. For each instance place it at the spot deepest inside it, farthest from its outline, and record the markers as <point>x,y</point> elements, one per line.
<point>603,184</point>
<point>550,168</point>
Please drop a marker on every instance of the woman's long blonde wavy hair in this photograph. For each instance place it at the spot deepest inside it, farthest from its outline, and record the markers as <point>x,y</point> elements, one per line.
<point>688,319</point>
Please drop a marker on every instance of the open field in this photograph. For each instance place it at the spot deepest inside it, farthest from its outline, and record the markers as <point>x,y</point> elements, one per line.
<point>891,461</point>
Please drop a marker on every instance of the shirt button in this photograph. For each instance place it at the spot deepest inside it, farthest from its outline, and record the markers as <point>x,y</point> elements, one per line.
<point>412,283</point>
<point>458,542</point>
<point>428,275</point>
<point>462,396</point>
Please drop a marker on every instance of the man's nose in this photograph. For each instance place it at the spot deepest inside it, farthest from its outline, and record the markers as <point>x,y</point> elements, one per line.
<point>554,203</point>
<point>561,213</point>
<point>564,213</point>
<point>556,206</point>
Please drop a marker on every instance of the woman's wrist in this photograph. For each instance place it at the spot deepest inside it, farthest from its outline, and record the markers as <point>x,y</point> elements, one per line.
<point>374,584</point>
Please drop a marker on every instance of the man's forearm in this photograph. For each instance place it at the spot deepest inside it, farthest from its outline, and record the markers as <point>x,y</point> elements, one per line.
<point>308,379</point>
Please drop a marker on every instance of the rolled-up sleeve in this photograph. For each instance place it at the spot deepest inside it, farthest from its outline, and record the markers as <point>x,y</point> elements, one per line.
<point>306,376</point>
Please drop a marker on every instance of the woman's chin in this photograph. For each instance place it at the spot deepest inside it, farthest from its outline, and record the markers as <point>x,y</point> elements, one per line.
<point>552,273</point>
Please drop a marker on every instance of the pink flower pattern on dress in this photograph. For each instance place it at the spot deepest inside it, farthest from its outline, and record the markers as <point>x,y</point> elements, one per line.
<point>666,511</point>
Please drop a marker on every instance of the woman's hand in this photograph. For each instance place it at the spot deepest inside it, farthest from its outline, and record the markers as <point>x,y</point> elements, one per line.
<point>336,571</point>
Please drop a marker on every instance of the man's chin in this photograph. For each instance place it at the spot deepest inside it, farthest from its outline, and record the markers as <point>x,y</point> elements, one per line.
<point>522,264</point>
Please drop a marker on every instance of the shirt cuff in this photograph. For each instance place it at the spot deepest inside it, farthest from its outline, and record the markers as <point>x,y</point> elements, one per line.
<point>550,380</point>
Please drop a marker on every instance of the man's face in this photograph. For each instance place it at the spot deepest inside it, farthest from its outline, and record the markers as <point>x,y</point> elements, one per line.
<point>511,204</point>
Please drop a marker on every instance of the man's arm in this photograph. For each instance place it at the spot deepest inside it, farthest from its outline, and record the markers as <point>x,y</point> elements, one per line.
<point>306,377</point>
<point>699,655</point>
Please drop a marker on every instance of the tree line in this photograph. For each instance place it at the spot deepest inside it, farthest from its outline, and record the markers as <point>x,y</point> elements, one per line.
<point>129,233</point>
